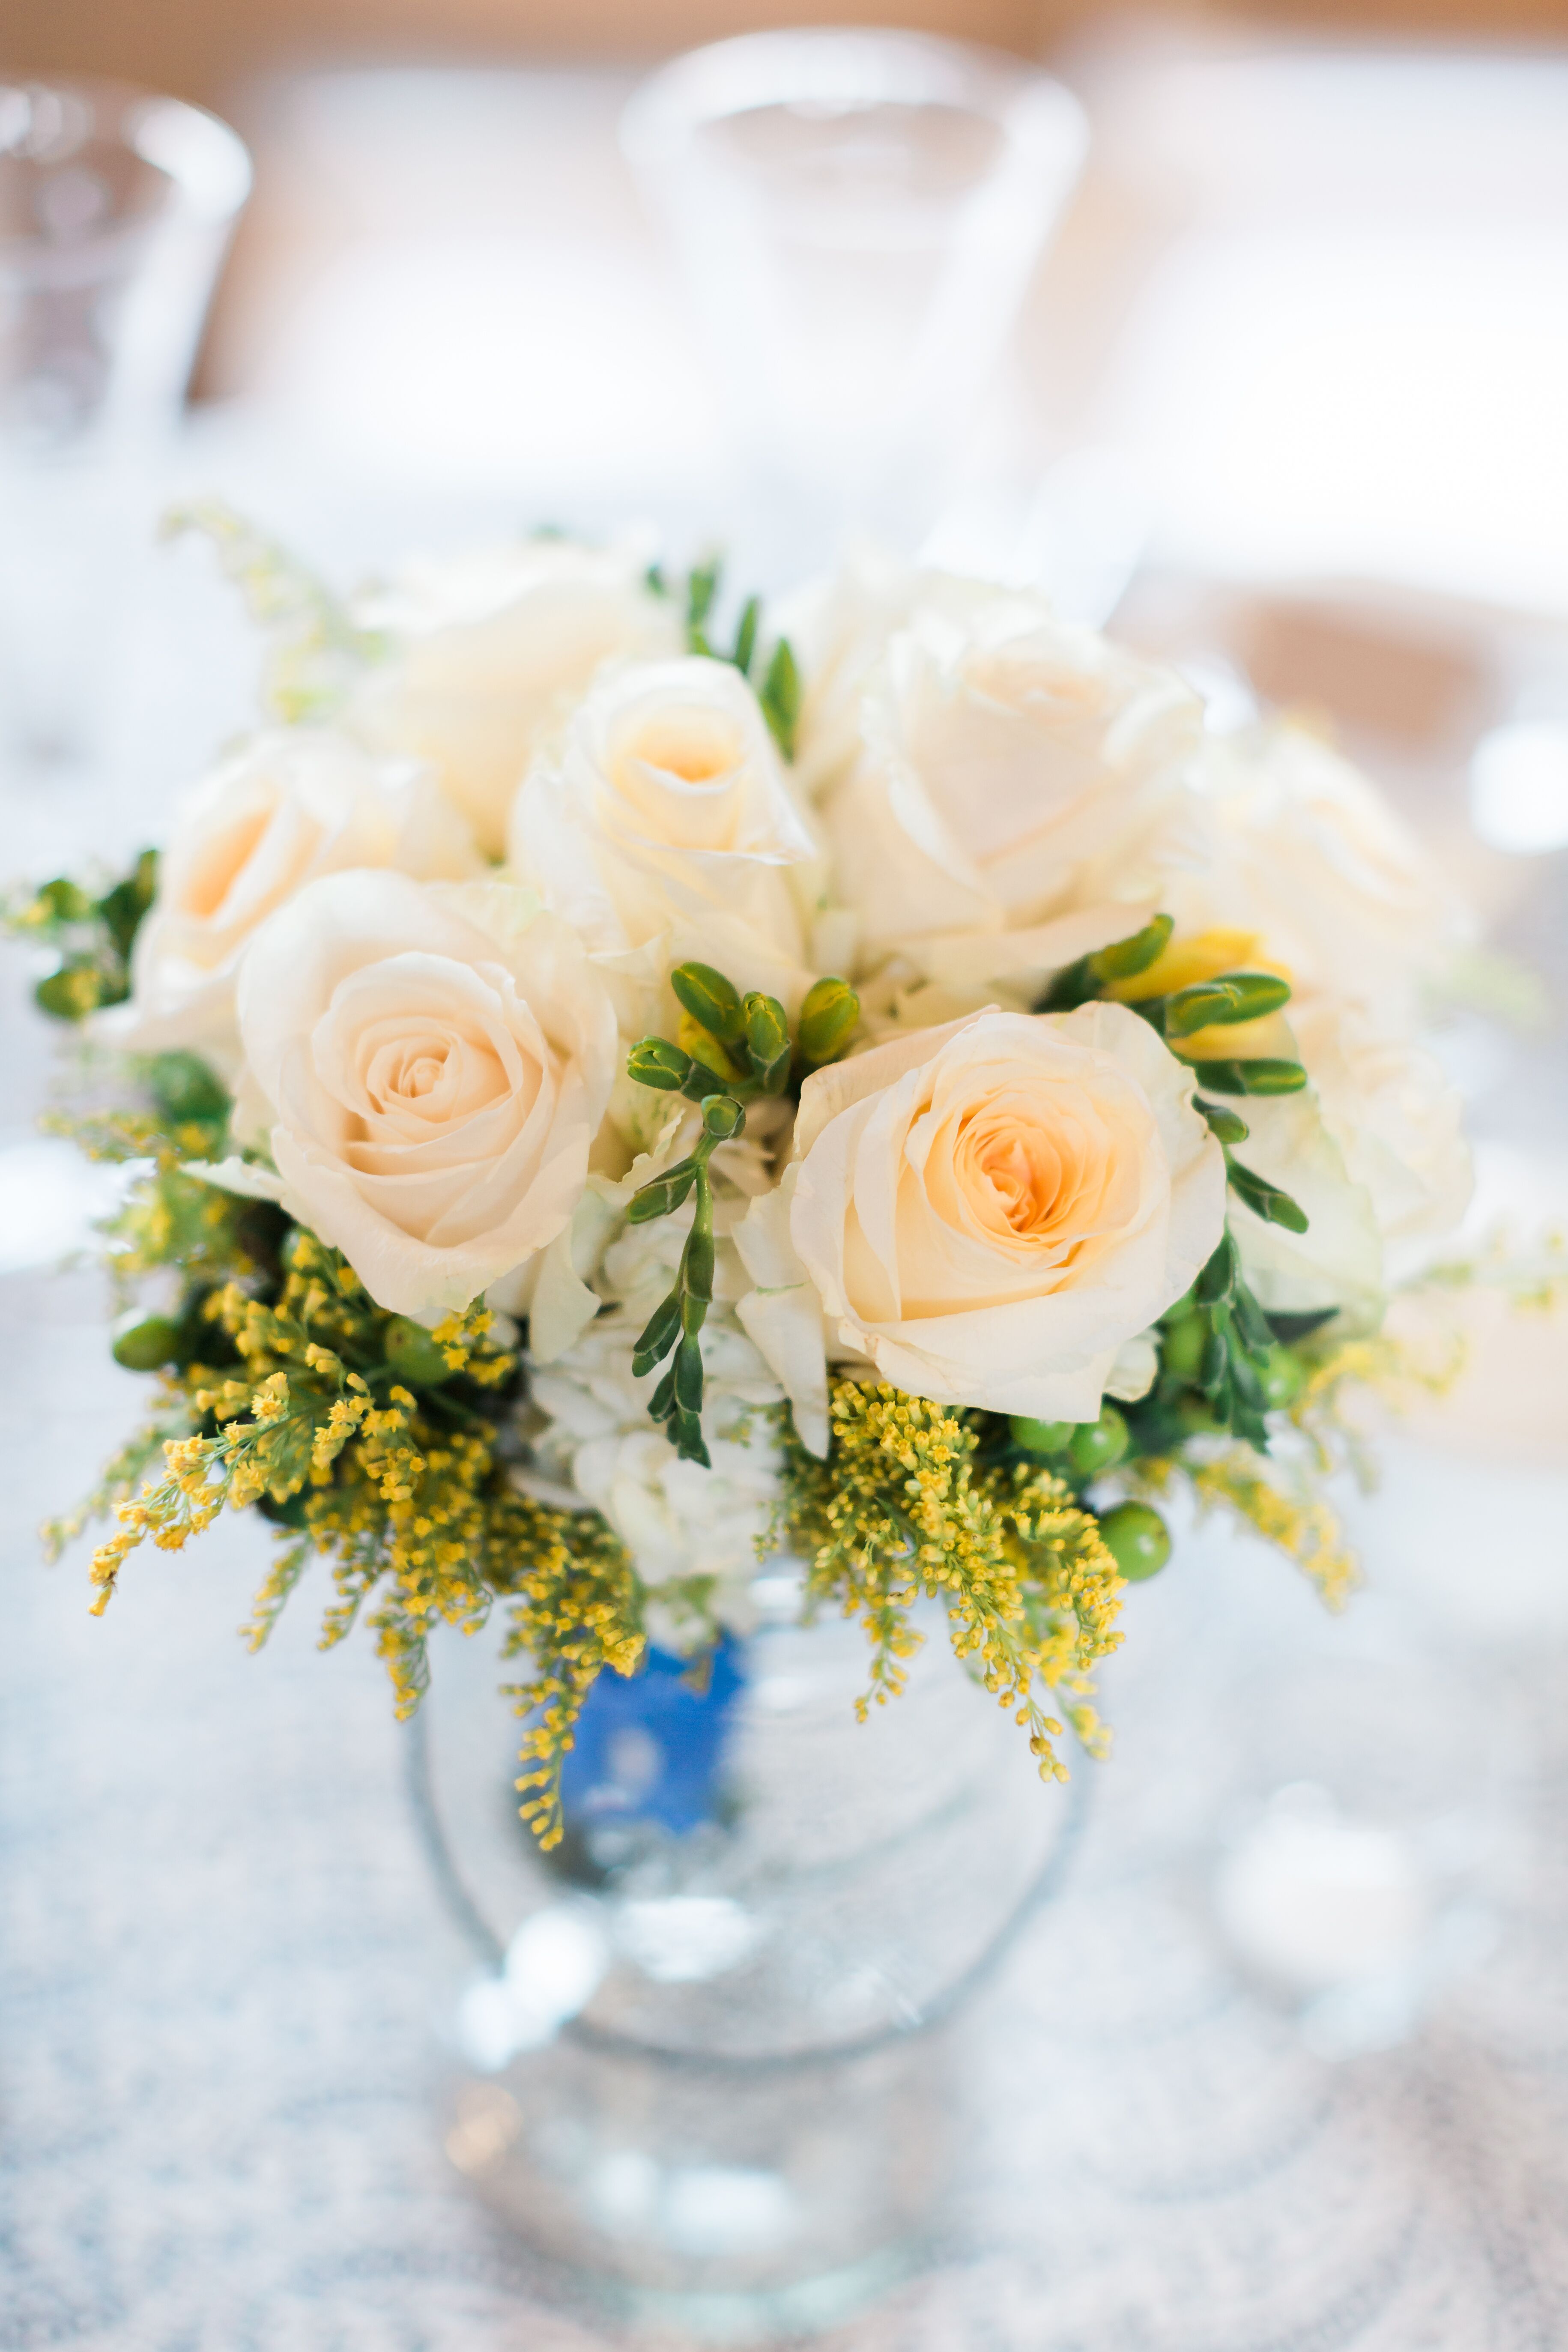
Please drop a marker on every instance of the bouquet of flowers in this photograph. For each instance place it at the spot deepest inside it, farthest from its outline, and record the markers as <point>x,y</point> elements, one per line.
<point>613,1082</point>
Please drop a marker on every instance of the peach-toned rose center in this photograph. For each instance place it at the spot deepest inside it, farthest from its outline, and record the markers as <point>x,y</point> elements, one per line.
<point>215,874</point>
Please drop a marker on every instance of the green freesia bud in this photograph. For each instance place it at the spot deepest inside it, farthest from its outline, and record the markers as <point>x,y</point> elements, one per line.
<point>663,1194</point>
<point>1218,1277</point>
<point>711,1000</point>
<point>723,1118</point>
<point>1234,996</point>
<point>655,1062</point>
<point>1266,1200</point>
<point>1260,1077</point>
<point>767,1040</point>
<point>828,1019</point>
<point>1125,959</point>
<point>1223,1124</point>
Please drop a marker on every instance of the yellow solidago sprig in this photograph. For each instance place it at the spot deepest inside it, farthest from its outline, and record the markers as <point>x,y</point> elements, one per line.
<point>372,1443</point>
<point>904,1508</point>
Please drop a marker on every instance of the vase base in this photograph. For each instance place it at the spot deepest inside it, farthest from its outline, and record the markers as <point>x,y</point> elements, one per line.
<point>768,2316</point>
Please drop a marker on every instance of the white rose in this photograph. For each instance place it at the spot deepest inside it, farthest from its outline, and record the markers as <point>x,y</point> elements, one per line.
<point>988,1212</point>
<point>667,806</point>
<point>1005,760</point>
<point>489,653</point>
<point>838,628</point>
<point>1279,839</point>
<point>434,1061</point>
<point>294,803</point>
<point>1394,1114</point>
<point>677,1519</point>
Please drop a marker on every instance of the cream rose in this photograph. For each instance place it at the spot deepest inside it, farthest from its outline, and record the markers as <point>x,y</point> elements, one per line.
<point>293,804</point>
<point>1276,836</point>
<point>1005,760</point>
<point>489,653</point>
<point>989,1211</point>
<point>434,1062</point>
<point>668,805</point>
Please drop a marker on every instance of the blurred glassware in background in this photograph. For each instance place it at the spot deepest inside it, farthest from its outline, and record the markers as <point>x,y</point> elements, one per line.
<point>115,209</point>
<point>857,215</point>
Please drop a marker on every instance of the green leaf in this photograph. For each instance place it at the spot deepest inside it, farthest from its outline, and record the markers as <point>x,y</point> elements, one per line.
<point>1224,1123</point>
<point>746,635</point>
<point>1266,1200</point>
<point>1261,1076</point>
<point>1234,996</point>
<point>713,1002</point>
<point>780,697</point>
<point>655,1062</point>
<point>185,1088</point>
<point>701,588</point>
<point>828,1018</point>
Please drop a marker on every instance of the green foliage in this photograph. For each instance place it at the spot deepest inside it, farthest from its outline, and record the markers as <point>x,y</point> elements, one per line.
<point>91,935</point>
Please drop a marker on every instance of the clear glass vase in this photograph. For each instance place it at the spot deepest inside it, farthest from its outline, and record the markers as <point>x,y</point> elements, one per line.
<point>704,2068</point>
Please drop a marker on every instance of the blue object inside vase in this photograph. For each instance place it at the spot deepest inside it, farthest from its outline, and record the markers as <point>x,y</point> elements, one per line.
<point>649,1747</point>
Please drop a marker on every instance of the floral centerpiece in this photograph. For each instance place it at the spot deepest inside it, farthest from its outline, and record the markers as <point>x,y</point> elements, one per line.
<point>603,1098</point>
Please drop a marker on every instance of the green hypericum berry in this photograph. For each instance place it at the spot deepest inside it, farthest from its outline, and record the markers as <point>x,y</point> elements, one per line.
<point>1280,1376</point>
<point>1182,1345</point>
<point>827,1017</point>
<point>414,1355</point>
<point>1095,1445</point>
<point>1137,1540</point>
<point>1040,1436</point>
<point>144,1343</point>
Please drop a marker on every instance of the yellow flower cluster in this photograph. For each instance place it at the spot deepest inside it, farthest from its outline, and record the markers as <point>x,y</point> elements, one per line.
<point>905,1508</point>
<point>299,1411</point>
